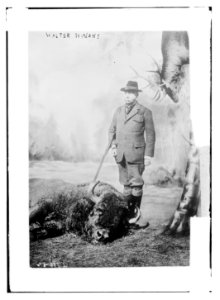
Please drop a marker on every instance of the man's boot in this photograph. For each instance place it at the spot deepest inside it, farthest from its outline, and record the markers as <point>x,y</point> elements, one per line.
<point>138,201</point>
<point>134,208</point>
<point>136,221</point>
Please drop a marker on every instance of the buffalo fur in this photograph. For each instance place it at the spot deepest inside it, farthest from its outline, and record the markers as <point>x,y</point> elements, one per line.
<point>98,217</point>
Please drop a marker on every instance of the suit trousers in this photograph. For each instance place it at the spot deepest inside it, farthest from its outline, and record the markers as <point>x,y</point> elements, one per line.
<point>130,175</point>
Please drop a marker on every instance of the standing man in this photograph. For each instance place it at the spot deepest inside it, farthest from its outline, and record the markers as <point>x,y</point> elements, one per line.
<point>132,138</point>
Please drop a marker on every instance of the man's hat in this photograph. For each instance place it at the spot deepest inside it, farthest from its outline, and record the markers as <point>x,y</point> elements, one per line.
<point>132,86</point>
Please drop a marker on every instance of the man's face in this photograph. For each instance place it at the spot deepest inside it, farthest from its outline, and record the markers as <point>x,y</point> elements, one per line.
<point>129,97</point>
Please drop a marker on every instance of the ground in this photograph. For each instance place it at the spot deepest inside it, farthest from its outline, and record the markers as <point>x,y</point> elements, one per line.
<point>146,247</point>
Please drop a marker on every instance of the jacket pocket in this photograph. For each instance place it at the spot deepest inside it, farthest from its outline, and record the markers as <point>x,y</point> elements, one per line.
<point>138,119</point>
<point>139,144</point>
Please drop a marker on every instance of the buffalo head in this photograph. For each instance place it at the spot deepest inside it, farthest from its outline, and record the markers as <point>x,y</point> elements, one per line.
<point>108,220</point>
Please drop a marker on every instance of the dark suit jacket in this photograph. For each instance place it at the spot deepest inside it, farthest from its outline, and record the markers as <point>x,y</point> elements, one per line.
<point>127,133</point>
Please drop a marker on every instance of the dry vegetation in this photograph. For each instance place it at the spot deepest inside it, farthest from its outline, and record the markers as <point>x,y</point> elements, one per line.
<point>141,248</point>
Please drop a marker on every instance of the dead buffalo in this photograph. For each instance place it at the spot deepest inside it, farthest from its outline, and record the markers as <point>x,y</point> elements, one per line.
<point>98,213</point>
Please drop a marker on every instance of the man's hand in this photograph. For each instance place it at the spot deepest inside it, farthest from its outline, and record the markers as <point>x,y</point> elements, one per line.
<point>147,160</point>
<point>114,151</point>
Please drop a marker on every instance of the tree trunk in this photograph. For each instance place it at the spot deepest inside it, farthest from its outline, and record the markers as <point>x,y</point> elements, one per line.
<point>175,76</point>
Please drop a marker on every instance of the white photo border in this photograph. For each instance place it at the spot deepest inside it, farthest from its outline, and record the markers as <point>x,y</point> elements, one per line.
<point>161,279</point>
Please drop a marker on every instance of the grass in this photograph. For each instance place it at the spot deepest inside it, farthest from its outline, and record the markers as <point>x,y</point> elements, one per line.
<point>147,247</point>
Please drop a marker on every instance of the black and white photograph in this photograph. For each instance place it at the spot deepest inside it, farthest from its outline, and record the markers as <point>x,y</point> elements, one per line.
<point>114,170</point>
<point>109,149</point>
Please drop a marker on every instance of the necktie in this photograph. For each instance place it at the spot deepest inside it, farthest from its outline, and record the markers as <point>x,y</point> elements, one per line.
<point>128,107</point>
